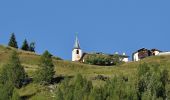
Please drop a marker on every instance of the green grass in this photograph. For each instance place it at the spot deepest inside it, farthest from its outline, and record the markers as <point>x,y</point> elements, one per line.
<point>30,62</point>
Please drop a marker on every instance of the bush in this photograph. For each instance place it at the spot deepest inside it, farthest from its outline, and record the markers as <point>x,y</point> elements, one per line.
<point>101,59</point>
<point>151,82</point>
<point>13,72</point>
<point>45,73</point>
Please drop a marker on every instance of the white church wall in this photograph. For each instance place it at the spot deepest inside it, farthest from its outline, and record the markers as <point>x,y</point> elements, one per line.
<point>75,56</point>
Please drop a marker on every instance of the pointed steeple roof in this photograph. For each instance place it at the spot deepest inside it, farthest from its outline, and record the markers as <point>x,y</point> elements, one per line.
<point>76,45</point>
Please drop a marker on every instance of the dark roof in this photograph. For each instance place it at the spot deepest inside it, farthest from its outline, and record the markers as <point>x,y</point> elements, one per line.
<point>143,49</point>
<point>155,50</point>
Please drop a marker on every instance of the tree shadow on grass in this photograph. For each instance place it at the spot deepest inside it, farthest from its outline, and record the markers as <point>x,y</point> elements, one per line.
<point>58,79</point>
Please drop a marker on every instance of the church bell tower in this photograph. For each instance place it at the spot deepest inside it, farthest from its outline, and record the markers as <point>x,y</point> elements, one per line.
<point>77,52</point>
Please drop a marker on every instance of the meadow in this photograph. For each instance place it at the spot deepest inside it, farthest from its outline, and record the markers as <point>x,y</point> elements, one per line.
<point>63,69</point>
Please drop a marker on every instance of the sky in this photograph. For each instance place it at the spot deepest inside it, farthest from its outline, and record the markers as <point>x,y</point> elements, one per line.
<point>107,26</point>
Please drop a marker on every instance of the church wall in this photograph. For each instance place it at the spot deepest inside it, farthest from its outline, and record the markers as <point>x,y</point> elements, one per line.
<point>75,56</point>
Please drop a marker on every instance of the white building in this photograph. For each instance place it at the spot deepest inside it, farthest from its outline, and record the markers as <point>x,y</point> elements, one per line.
<point>125,58</point>
<point>143,53</point>
<point>76,52</point>
<point>135,56</point>
<point>155,52</point>
<point>164,53</point>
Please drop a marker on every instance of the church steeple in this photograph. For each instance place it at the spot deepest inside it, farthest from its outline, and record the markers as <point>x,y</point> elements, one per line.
<point>77,44</point>
<point>77,52</point>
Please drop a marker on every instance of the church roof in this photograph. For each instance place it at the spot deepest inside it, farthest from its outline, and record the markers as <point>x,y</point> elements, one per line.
<point>77,44</point>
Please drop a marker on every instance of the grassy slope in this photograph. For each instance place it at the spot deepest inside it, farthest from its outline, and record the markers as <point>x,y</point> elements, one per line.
<point>67,68</point>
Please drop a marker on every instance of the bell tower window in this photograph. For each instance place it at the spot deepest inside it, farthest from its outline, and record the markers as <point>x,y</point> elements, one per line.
<point>77,51</point>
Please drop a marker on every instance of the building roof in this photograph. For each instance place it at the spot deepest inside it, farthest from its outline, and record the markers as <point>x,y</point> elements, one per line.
<point>76,44</point>
<point>155,50</point>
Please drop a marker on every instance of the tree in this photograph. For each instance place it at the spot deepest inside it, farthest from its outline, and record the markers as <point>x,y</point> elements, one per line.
<point>25,45</point>
<point>12,41</point>
<point>13,71</point>
<point>46,71</point>
<point>152,82</point>
<point>6,91</point>
<point>15,95</point>
<point>78,91</point>
<point>32,47</point>
<point>143,76</point>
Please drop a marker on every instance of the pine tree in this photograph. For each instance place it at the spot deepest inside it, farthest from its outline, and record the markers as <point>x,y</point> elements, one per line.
<point>6,91</point>
<point>46,71</point>
<point>12,41</point>
<point>15,95</point>
<point>25,45</point>
<point>13,72</point>
<point>32,47</point>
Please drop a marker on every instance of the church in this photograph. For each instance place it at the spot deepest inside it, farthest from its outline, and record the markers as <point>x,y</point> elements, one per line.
<point>77,53</point>
<point>79,56</point>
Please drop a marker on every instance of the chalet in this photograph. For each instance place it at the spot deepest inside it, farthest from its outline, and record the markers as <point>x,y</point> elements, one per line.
<point>143,53</point>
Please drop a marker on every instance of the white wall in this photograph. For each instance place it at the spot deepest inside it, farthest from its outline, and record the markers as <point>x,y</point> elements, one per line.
<point>164,53</point>
<point>75,56</point>
<point>125,59</point>
<point>156,52</point>
<point>136,57</point>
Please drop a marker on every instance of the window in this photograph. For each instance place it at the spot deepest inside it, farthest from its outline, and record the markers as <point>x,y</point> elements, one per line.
<point>77,52</point>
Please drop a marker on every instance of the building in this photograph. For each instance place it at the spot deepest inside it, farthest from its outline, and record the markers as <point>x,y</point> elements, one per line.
<point>79,55</point>
<point>125,58</point>
<point>155,52</point>
<point>164,53</point>
<point>143,53</point>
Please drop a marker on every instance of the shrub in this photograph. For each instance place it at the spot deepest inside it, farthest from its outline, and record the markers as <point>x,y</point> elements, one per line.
<point>45,73</point>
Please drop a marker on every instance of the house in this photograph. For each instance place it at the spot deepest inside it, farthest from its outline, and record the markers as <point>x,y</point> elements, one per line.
<point>155,52</point>
<point>164,53</point>
<point>125,58</point>
<point>143,53</point>
<point>79,55</point>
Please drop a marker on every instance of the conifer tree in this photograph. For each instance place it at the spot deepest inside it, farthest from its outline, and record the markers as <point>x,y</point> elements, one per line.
<point>46,71</point>
<point>13,72</point>
<point>6,91</point>
<point>25,45</point>
<point>12,41</point>
<point>32,47</point>
<point>15,95</point>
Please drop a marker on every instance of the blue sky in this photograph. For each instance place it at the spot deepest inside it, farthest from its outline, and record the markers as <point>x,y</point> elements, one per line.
<point>102,25</point>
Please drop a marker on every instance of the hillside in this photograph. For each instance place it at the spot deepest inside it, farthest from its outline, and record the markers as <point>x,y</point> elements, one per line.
<point>63,68</point>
